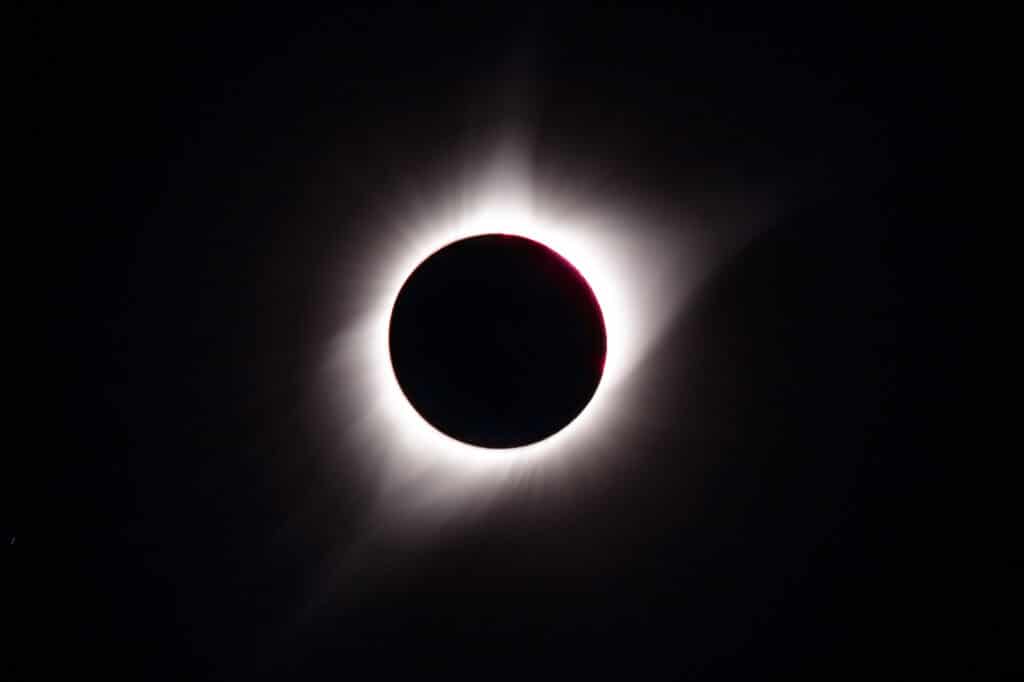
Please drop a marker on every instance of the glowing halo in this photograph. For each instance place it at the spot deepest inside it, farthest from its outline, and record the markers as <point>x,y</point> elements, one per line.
<point>412,429</point>
<point>638,272</point>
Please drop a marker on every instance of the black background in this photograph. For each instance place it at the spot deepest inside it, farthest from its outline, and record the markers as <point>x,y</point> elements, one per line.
<point>185,516</point>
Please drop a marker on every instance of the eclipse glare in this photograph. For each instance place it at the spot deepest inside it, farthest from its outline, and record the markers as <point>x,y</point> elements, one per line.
<point>497,341</point>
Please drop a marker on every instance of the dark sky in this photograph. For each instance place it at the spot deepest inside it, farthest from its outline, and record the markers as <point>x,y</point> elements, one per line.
<point>189,516</point>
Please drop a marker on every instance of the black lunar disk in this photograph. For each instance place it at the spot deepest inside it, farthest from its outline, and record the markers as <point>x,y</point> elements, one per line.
<point>497,341</point>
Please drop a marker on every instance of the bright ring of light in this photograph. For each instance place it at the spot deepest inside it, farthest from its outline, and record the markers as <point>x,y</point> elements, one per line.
<point>633,270</point>
<point>412,428</point>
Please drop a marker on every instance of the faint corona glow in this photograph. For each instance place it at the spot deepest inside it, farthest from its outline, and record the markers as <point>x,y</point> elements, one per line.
<point>634,271</point>
<point>412,432</point>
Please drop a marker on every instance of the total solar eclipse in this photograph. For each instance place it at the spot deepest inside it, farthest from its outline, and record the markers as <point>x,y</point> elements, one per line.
<point>497,341</point>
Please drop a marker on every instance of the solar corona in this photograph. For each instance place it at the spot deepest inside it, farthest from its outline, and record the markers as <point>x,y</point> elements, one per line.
<point>498,333</point>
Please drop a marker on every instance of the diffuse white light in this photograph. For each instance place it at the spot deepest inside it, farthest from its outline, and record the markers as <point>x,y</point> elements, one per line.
<point>637,272</point>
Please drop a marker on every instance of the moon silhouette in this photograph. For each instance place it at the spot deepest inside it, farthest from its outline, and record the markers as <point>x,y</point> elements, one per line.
<point>497,341</point>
